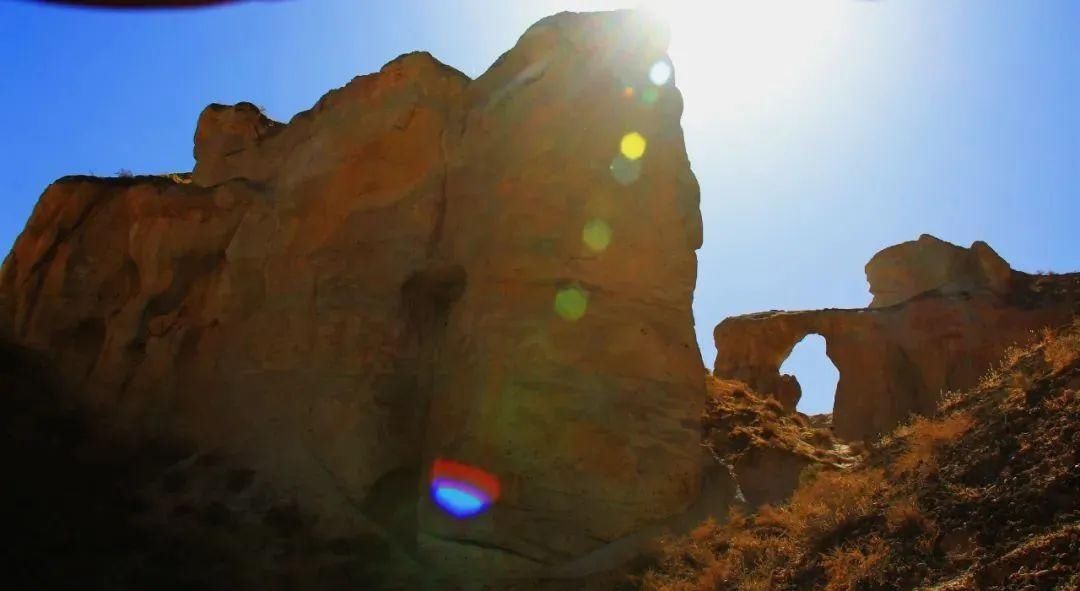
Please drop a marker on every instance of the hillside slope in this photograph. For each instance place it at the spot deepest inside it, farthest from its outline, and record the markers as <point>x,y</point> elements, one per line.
<point>985,495</point>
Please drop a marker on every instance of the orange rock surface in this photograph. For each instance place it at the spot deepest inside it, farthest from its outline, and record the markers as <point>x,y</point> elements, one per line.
<point>422,266</point>
<point>958,315</point>
<point>906,270</point>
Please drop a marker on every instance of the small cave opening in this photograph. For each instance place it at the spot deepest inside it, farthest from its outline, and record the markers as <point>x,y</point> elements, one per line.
<point>817,375</point>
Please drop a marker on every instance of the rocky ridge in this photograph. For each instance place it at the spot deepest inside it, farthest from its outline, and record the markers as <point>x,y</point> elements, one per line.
<point>941,317</point>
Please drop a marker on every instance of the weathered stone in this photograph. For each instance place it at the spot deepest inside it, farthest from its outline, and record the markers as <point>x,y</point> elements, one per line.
<point>531,394</point>
<point>768,475</point>
<point>343,299</point>
<point>225,136</point>
<point>906,270</point>
<point>899,359</point>
<point>766,448</point>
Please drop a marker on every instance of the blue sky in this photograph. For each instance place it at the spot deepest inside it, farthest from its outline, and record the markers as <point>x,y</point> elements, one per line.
<point>820,132</point>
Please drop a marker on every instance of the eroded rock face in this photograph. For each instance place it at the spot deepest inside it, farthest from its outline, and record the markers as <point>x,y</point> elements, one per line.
<point>766,448</point>
<point>895,359</point>
<point>527,391</point>
<point>343,299</point>
<point>906,270</point>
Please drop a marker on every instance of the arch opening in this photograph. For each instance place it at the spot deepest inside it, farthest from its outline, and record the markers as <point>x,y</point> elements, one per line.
<point>816,374</point>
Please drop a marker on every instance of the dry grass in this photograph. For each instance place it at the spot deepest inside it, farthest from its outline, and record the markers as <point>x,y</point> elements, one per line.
<point>738,419</point>
<point>904,518</point>
<point>753,553</point>
<point>993,378</point>
<point>909,523</point>
<point>848,566</point>
<point>824,503</point>
<point>925,437</point>
<point>1061,350</point>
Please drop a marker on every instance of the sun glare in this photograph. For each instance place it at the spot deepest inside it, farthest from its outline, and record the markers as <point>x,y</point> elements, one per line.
<point>731,54</point>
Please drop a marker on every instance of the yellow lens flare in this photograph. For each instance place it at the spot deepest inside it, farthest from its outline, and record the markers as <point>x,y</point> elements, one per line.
<point>571,303</point>
<point>596,235</point>
<point>632,145</point>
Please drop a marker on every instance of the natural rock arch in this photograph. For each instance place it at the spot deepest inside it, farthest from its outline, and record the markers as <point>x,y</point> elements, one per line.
<point>810,368</point>
<point>898,359</point>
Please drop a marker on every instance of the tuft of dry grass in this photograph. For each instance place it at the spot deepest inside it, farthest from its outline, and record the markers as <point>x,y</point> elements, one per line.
<point>852,564</point>
<point>905,519</point>
<point>824,503</point>
<point>992,378</point>
<point>995,376</point>
<point>1061,350</point>
<point>754,553</point>
<point>925,437</point>
<point>773,405</point>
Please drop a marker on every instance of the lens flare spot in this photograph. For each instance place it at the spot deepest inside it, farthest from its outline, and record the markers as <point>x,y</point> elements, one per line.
<point>457,499</point>
<point>650,95</point>
<point>660,73</point>
<point>624,170</point>
<point>596,235</point>
<point>571,303</point>
<point>628,92</point>
<point>632,145</point>
<point>462,490</point>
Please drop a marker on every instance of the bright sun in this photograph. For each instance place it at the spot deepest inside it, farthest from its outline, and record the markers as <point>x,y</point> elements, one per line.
<point>737,53</point>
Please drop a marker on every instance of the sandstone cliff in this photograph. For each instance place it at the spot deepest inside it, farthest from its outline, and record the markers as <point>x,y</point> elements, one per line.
<point>422,266</point>
<point>941,317</point>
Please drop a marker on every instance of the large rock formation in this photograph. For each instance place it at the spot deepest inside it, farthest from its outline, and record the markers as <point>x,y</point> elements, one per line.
<point>941,317</point>
<point>901,272</point>
<point>422,266</point>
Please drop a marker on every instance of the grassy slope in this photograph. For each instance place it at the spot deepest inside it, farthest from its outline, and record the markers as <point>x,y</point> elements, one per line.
<point>986,495</point>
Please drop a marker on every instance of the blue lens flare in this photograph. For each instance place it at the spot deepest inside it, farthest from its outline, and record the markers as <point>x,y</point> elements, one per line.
<point>458,499</point>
